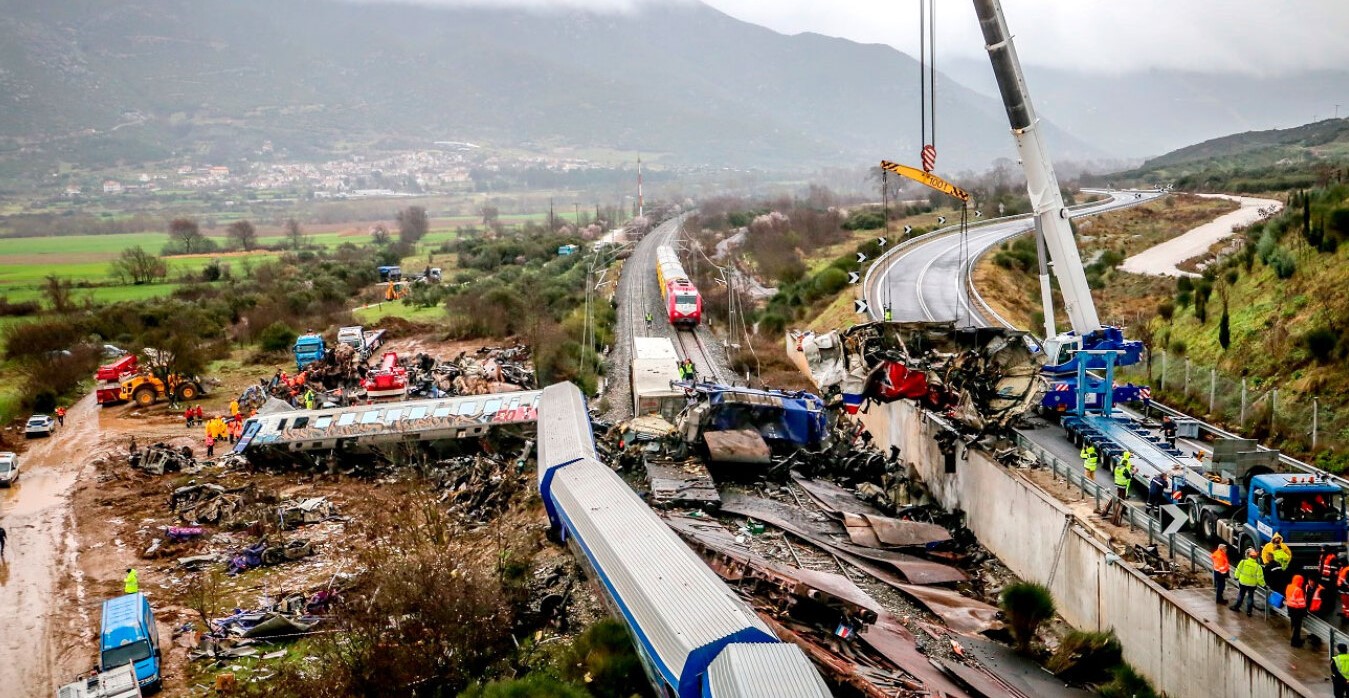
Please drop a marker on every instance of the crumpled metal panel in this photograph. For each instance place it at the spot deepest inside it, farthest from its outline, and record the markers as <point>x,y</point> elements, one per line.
<point>764,671</point>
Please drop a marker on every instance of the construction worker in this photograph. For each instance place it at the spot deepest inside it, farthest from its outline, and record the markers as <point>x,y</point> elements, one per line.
<point>234,407</point>
<point>1249,576</point>
<point>1342,586</point>
<point>1221,568</point>
<point>1295,599</point>
<point>1157,492</point>
<point>1124,476</point>
<point>1328,566</point>
<point>648,320</point>
<point>3,536</point>
<point>889,316</point>
<point>1089,461</point>
<point>60,416</point>
<point>1276,555</point>
<point>1169,431</point>
<point>131,585</point>
<point>1339,671</point>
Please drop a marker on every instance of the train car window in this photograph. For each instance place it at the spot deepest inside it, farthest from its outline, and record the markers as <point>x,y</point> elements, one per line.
<point>468,408</point>
<point>370,417</point>
<point>443,411</point>
<point>417,413</point>
<point>323,422</point>
<point>347,419</point>
<point>393,415</point>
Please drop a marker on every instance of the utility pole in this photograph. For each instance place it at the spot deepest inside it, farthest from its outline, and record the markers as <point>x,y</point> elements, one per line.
<point>641,211</point>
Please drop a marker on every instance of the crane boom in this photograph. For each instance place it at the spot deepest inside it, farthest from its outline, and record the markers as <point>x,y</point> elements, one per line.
<point>1042,184</point>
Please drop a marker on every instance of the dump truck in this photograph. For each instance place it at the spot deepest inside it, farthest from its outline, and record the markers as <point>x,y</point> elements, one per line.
<point>109,377</point>
<point>1239,497</point>
<point>147,389</point>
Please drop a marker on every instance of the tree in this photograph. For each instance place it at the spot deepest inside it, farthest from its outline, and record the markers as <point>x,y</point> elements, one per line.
<point>1225,330</point>
<point>139,266</point>
<point>58,294</point>
<point>380,234</point>
<point>187,235</point>
<point>294,234</point>
<point>490,214</point>
<point>245,234</point>
<point>413,224</point>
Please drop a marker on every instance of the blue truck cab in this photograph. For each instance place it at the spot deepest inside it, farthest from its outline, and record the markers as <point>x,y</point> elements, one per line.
<point>129,636</point>
<point>1306,510</point>
<point>308,349</point>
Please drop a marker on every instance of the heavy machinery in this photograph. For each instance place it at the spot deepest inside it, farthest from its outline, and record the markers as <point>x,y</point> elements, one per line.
<point>388,382</point>
<point>108,379</point>
<point>396,290</point>
<point>147,389</point>
<point>1088,343</point>
<point>365,342</point>
<point>1238,497</point>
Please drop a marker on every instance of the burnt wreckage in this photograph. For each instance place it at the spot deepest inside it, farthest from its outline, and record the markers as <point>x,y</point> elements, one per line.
<point>981,378</point>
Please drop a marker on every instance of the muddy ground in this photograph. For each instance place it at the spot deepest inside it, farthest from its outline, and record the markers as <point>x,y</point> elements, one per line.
<point>79,516</point>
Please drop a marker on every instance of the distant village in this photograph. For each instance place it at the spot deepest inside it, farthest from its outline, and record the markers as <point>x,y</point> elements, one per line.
<point>446,168</point>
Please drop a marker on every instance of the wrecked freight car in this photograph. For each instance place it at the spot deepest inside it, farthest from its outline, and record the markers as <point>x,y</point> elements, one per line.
<point>981,377</point>
<point>742,425</point>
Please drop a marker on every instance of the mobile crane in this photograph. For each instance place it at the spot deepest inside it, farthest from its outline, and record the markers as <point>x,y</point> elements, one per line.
<point>1237,497</point>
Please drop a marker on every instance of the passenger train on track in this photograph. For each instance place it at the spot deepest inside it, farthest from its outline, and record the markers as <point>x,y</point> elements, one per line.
<point>683,303</point>
<point>695,636</point>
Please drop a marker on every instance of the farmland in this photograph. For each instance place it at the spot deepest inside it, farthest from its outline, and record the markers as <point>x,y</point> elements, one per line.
<point>85,260</point>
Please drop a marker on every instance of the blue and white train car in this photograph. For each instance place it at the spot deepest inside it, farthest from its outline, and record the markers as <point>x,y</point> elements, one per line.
<point>697,639</point>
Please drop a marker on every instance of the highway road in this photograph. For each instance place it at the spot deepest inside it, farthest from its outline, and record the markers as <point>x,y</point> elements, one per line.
<point>927,281</point>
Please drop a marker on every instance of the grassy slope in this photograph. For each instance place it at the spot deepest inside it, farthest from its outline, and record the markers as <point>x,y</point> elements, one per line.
<point>1015,295</point>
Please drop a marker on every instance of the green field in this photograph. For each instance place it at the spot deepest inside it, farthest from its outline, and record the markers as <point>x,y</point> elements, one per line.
<point>400,310</point>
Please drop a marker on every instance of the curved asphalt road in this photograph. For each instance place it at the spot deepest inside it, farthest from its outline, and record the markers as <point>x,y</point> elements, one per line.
<point>928,281</point>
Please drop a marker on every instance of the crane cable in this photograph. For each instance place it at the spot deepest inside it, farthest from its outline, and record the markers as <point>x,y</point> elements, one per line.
<point>927,83</point>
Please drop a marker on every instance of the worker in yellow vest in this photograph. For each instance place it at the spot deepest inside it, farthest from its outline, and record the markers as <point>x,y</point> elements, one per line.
<point>1250,575</point>
<point>1089,460</point>
<point>1339,671</point>
<point>131,584</point>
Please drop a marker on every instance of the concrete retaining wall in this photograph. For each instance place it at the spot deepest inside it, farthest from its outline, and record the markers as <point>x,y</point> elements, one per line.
<point>1038,538</point>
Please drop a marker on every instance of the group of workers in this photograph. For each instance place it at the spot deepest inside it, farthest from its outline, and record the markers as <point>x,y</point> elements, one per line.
<point>221,428</point>
<point>687,372</point>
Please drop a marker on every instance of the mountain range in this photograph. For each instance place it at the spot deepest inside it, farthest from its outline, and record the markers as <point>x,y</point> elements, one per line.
<point>105,82</point>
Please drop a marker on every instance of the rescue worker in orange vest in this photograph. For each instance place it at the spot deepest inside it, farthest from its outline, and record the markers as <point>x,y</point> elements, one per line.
<point>1221,568</point>
<point>1328,571</point>
<point>61,416</point>
<point>1295,599</point>
<point>1342,585</point>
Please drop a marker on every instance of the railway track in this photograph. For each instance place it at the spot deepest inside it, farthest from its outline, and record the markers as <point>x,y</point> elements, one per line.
<point>690,345</point>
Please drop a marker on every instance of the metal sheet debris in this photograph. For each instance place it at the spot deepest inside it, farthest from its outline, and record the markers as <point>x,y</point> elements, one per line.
<point>686,483</point>
<point>830,536</point>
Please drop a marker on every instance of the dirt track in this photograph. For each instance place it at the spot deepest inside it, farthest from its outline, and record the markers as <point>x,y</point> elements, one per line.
<point>40,570</point>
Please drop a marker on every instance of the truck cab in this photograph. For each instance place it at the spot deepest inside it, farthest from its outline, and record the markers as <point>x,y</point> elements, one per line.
<point>308,349</point>
<point>1307,511</point>
<point>130,636</point>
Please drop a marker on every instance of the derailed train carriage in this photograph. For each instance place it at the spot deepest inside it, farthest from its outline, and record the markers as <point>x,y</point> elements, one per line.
<point>696,638</point>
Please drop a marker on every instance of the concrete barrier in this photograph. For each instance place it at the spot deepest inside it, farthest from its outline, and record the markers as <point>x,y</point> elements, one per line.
<point>1041,540</point>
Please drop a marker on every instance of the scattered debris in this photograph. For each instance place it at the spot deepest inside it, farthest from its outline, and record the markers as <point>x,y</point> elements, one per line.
<point>982,378</point>
<point>681,483</point>
<point>161,458</point>
<point>737,446</point>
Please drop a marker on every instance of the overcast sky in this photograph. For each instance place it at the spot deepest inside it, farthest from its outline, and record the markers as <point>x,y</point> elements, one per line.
<point>1248,36</point>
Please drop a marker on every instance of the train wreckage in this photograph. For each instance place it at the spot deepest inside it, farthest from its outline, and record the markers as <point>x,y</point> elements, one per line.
<point>981,378</point>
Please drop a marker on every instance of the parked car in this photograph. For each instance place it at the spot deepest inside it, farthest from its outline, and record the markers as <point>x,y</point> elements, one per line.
<point>39,425</point>
<point>112,351</point>
<point>9,468</point>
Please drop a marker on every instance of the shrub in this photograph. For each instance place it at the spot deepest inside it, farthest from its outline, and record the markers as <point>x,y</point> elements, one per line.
<point>1127,683</point>
<point>1282,262</point>
<point>1027,605</point>
<point>1178,347</point>
<point>277,336</point>
<point>1167,310</point>
<point>603,657</point>
<point>1320,343</point>
<point>1085,657</point>
<point>866,219</point>
<point>830,281</point>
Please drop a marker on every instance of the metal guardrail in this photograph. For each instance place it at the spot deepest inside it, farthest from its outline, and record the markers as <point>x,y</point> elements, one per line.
<point>1177,547</point>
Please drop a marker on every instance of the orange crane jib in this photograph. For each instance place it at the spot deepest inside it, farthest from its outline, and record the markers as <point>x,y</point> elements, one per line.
<point>928,179</point>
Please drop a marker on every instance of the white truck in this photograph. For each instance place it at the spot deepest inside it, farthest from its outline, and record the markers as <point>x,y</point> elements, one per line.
<point>118,682</point>
<point>366,343</point>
